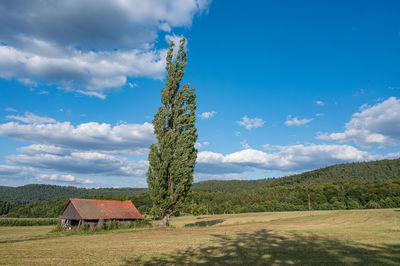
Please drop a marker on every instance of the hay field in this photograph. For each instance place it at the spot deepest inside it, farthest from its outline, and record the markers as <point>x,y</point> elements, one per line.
<point>326,237</point>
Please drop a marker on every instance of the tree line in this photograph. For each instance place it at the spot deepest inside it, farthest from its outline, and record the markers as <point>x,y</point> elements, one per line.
<point>328,196</point>
<point>361,171</point>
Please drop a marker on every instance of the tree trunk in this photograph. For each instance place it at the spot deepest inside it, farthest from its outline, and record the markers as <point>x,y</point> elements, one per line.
<point>165,220</point>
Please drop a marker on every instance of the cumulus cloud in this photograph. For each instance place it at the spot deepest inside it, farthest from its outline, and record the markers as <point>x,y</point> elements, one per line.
<point>42,148</point>
<point>30,174</point>
<point>85,149</point>
<point>250,123</point>
<point>64,178</point>
<point>94,163</point>
<point>88,46</point>
<point>86,72</point>
<point>372,125</point>
<point>292,158</point>
<point>319,103</point>
<point>123,138</point>
<point>16,172</point>
<point>31,118</point>
<point>207,115</point>
<point>295,121</point>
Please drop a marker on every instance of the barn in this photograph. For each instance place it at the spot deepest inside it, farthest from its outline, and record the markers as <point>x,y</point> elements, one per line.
<point>92,211</point>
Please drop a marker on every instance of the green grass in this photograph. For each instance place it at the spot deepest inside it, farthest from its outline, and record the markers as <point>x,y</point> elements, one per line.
<point>326,237</point>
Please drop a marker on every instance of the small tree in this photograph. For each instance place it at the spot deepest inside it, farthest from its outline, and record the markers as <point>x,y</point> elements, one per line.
<point>172,160</point>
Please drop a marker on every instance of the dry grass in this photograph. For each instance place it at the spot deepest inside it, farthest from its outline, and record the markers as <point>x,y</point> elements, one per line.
<point>326,237</point>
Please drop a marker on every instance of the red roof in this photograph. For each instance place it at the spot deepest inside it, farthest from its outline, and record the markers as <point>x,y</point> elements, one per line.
<point>93,209</point>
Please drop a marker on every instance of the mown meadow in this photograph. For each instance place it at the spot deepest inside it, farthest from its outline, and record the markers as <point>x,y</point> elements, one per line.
<point>318,237</point>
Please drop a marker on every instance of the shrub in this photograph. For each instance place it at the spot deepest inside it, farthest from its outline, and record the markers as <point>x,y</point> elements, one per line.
<point>112,225</point>
<point>372,205</point>
<point>140,224</point>
<point>27,221</point>
<point>353,204</point>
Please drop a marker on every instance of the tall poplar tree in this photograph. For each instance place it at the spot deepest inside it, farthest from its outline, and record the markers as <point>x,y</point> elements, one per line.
<point>172,160</point>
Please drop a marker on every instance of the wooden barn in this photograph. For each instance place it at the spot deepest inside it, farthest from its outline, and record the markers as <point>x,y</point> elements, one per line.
<point>92,211</point>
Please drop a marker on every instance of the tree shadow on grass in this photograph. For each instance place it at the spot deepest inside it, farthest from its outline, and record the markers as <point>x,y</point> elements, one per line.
<point>205,223</point>
<point>265,247</point>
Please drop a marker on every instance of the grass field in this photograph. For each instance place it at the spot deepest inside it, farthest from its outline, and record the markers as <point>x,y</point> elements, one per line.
<point>325,237</point>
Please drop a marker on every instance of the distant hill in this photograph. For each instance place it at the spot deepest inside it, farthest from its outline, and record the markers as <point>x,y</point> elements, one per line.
<point>36,192</point>
<point>363,171</point>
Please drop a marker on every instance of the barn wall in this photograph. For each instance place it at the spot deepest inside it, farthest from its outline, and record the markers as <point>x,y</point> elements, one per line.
<point>70,213</point>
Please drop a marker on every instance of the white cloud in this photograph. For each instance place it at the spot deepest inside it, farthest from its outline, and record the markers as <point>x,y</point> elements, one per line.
<point>90,73</point>
<point>132,85</point>
<point>60,42</point>
<point>281,158</point>
<point>220,176</point>
<point>319,114</point>
<point>319,103</point>
<point>85,149</point>
<point>295,121</point>
<point>207,115</point>
<point>31,118</point>
<point>250,123</point>
<point>30,174</point>
<point>199,145</point>
<point>15,172</point>
<point>244,144</point>
<point>378,124</point>
<point>94,163</point>
<point>42,148</point>
<point>123,138</point>
<point>64,178</point>
<point>9,109</point>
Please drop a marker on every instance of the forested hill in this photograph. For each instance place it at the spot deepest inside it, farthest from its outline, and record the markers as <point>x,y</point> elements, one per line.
<point>364,171</point>
<point>37,192</point>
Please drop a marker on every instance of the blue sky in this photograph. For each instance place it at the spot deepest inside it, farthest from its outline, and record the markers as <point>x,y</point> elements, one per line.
<point>283,86</point>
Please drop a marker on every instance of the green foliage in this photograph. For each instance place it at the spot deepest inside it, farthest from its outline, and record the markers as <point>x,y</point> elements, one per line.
<point>38,209</point>
<point>111,225</point>
<point>5,207</point>
<point>372,205</point>
<point>329,196</point>
<point>58,227</point>
<point>108,226</point>
<point>172,160</point>
<point>27,222</point>
<point>377,185</point>
<point>29,193</point>
<point>362,171</point>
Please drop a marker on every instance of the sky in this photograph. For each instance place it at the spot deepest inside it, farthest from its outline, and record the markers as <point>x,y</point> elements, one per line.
<point>282,87</point>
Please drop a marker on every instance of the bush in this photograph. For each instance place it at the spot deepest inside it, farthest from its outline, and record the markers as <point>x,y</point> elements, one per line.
<point>337,205</point>
<point>387,203</point>
<point>140,224</point>
<point>353,204</point>
<point>27,222</point>
<point>58,228</point>
<point>109,225</point>
<point>372,205</point>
